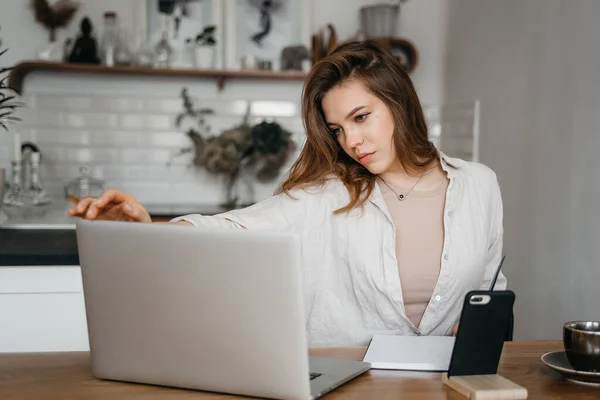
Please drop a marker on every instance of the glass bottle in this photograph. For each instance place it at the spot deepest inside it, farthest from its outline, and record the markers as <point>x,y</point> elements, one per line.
<point>40,198</point>
<point>110,39</point>
<point>16,203</point>
<point>163,50</point>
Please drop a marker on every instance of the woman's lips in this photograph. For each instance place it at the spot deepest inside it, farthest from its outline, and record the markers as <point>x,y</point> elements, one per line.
<point>366,157</point>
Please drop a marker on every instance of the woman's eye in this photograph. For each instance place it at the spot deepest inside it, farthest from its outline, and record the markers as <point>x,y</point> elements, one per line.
<point>335,131</point>
<point>361,117</point>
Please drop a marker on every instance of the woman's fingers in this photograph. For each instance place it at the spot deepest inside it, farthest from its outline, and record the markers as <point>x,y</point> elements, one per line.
<point>93,210</point>
<point>82,207</point>
<point>136,212</point>
<point>112,196</point>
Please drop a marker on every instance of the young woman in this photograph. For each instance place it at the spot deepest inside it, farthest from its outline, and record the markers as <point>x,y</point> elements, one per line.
<point>394,233</point>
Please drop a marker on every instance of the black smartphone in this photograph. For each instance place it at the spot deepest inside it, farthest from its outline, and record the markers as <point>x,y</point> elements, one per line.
<point>484,325</point>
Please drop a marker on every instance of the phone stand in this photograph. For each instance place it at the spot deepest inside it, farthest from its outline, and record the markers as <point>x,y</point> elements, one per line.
<point>489,387</point>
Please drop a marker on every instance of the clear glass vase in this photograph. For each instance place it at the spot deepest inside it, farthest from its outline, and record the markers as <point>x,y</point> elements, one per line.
<point>17,202</point>
<point>40,198</point>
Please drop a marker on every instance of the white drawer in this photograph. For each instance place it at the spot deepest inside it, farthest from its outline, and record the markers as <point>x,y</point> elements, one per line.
<point>43,322</point>
<point>42,310</point>
<point>43,279</point>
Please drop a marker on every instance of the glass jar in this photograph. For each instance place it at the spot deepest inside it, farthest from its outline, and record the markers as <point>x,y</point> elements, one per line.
<point>109,45</point>
<point>83,186</point>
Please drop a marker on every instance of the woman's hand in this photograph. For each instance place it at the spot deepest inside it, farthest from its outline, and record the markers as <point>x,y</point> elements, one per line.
<point>112,205</point>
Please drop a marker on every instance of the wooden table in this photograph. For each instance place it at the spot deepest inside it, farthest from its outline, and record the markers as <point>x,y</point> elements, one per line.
<point>67,376</point>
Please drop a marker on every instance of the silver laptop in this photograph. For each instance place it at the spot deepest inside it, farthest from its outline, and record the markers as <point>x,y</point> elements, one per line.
<point>214,310</point>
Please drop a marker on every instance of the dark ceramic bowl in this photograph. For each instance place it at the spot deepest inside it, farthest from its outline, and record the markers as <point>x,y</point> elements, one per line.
<point>582,344</point>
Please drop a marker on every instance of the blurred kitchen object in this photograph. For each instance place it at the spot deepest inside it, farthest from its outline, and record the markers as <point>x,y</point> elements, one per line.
<point>293,57</point>
<point>83,186</point>
<point>16,202</point>
<point>163,52</point>
<point>85,48</point>
<point>380,19</point>
<point>321,46</point>
<point>32,182</point>
<point>110,39</point>
<point>114,47</point>
<point>249,62</point>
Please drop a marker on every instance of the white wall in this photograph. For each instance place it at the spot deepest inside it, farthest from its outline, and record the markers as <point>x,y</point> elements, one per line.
<point>534,64</point>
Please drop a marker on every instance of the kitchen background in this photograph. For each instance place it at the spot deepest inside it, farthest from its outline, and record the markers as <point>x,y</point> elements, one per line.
<point>123,127</point>
<point>512,83</point>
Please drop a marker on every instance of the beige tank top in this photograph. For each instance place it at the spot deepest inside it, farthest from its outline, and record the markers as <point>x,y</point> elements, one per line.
<point>419,242</point>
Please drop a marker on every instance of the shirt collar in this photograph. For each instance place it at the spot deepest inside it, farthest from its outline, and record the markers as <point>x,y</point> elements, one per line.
<point>449,165</point>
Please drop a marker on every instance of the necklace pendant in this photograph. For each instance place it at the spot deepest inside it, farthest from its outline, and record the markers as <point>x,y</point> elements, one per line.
<point>401,197</point>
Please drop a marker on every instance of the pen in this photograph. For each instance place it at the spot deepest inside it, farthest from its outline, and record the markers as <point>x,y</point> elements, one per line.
<point>495,278</point>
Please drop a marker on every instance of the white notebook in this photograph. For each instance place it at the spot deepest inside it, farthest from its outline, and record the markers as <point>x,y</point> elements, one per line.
<point>416,353</point>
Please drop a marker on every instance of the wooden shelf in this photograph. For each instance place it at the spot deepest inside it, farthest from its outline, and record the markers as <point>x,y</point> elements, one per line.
<point>19,73</point>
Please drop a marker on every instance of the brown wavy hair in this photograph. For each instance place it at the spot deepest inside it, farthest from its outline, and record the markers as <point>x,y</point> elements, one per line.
<point>322,156</point>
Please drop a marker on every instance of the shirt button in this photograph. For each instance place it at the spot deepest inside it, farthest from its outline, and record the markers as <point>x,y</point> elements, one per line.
<point>449,213</point>
<point>438,297</point>
<point>446,257</point>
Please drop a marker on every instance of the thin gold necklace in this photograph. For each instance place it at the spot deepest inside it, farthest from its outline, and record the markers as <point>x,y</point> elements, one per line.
<point>401,196</point>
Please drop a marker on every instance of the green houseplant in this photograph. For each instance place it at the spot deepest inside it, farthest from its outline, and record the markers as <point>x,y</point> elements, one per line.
<point>9,103</point>
<point>245,152</point>
<point>205,48</point>
<point>8,98</point>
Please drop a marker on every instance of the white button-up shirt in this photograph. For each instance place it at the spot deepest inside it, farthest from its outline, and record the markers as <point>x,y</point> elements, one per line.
<point>351,281</point>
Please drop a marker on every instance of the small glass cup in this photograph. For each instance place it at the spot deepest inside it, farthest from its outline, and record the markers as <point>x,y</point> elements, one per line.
<point>83,186</point>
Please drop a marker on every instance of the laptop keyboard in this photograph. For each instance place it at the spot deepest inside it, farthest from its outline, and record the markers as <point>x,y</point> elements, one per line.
<point>314,375</point>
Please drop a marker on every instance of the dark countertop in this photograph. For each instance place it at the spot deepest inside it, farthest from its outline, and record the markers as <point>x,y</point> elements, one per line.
<point>19,247</point>
<point>37,245</point>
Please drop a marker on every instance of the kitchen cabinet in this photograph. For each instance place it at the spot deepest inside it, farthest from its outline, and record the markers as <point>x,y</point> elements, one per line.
<point>42,309</point>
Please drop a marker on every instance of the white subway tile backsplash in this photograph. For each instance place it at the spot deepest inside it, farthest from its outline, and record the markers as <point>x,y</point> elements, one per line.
<point>63,103</point>
<point>132,121</point>
<point>159,121</point>
<point>91,120</point>
<point>152,173</point>
<point>116,138</point>
<point>223,107</point>
<point>162,105</point>
<point>75,121</point>
<point>118,104</point>
<point>52,154</point>
<point>42,118</point>
<point>274,108</point>
<point>146,156</point>
<point>146,122</point>
<point>169,139</point>
<point>131,142</point>
<point>134,173</point>
<point>90,156</point>
<point>58,136</point>
<point>145,192</point>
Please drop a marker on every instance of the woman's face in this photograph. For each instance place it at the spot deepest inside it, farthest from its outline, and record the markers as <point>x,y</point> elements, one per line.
<point>362,124</point>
